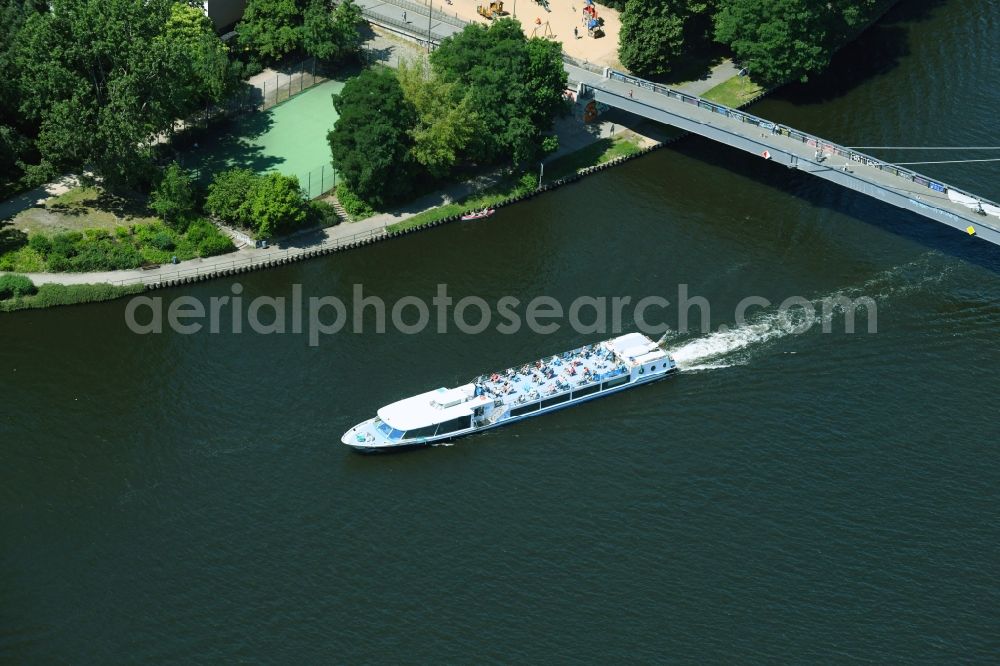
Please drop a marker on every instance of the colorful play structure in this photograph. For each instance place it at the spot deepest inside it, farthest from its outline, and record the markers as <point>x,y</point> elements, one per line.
<point>491,11</point>
<point>591,20</point>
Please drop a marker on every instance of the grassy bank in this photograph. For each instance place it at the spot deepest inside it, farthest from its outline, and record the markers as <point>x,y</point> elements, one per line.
<point>48,295</point>
<point>600,152</point>
<point>734,92</point>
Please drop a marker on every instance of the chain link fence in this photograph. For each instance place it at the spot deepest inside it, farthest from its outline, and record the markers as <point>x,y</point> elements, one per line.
<point>317,182</point>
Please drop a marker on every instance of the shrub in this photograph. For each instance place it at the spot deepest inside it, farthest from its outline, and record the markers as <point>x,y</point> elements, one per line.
<point>353,204</point>
<point>163,241</point>
<point>213,245</point>
<point>527,183</point>
<point>13,286</point>
<point>11,239</point>
<point>65,243</point>
<point>25,260</point>
<point>102,255</point>
<point>40,243</point>
<point>322,214</point>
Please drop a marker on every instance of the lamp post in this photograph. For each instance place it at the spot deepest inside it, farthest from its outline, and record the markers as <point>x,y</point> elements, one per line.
<point>430,14</point>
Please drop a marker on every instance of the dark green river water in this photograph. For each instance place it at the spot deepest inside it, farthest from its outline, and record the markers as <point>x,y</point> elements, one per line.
<point>821,497</point>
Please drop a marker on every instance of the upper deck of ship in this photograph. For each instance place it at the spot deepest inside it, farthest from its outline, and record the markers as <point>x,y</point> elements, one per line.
<point>590,364</point>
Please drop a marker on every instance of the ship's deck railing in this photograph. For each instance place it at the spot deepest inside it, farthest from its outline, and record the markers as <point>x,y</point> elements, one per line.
<point>827,147</point>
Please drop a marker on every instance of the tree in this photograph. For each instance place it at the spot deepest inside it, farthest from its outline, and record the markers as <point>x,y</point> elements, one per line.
<point>652,35</point>
<point>103,79</point>
<point>270,28</point>
<point>190,30</point>
<point>228,196</point>
<point>370,142</point>
<point>331,35</point>
<point>784,40</point>
<point>266,204</point>
<point>173,199</point>
<point>276,203</point>
<point>515,83</point>
<point>15,129</point>
<point>446,123</point>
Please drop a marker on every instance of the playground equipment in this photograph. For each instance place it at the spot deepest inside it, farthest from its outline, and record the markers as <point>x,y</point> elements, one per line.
<point>592,21</point>
<point>491,11</point>
<point>544,27</point>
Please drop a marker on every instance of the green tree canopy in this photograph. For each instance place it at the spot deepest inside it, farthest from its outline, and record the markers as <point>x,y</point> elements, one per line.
<point>16,130</point>
<point>447,122</point>
<point>657,32</point>
<point>515,83</point>
<point>276,204</point>
<point>270,28</point>
<point>173,199</point>
<point>331,35</point>
<point>268,204</point>
<point>228,195</point>
<point>370,142</point>
<point>104,78</point>
<point>784,40</point>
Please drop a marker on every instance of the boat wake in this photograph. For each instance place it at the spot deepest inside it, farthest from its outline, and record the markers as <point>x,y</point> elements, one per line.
<point>732,346</point>
<point>721,349</point>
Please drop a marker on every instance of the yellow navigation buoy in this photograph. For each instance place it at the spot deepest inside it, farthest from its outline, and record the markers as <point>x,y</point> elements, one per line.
<point>971,230</point>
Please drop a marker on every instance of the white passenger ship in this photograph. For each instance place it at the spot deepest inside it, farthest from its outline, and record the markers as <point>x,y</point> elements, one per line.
<point>504,397</point>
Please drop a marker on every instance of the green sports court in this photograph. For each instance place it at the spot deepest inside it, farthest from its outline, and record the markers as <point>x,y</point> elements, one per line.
<point>289,138</point>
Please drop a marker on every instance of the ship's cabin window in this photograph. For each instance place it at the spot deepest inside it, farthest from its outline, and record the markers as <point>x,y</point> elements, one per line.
<point>418,433</point>
<point>555,400</point>
<point>618,381</point>
<point>518,411</point>
<point>388,431</point>
<point>454,425</point>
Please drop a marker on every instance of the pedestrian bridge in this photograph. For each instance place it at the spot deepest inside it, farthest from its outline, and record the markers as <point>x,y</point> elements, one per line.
<point>780,144</point>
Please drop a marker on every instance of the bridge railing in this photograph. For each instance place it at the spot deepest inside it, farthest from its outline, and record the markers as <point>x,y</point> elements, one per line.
<point>820,144</point>
<point>421,8</point>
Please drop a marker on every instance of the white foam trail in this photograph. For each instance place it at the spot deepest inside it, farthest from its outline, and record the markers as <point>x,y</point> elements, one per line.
<point>729,347</point>
<point>714,351</point>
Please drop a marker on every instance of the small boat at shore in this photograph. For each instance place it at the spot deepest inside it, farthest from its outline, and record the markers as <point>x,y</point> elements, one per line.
<point>479,214</point>
<point>515,394</point>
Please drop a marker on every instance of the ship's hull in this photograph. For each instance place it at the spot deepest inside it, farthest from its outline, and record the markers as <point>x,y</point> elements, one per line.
<point>362,448</point>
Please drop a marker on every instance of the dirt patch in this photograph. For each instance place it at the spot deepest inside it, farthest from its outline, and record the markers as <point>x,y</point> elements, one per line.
<point>83,208</point>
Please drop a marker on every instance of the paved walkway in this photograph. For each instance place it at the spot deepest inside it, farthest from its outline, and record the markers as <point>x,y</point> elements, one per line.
<point>719,74</point>
<point>36,197</point>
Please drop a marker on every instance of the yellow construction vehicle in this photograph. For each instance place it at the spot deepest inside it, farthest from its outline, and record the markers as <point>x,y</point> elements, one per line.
<point>491,11</point>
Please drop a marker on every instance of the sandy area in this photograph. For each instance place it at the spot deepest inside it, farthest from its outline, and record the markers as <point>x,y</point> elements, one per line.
<point>562,17</point>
